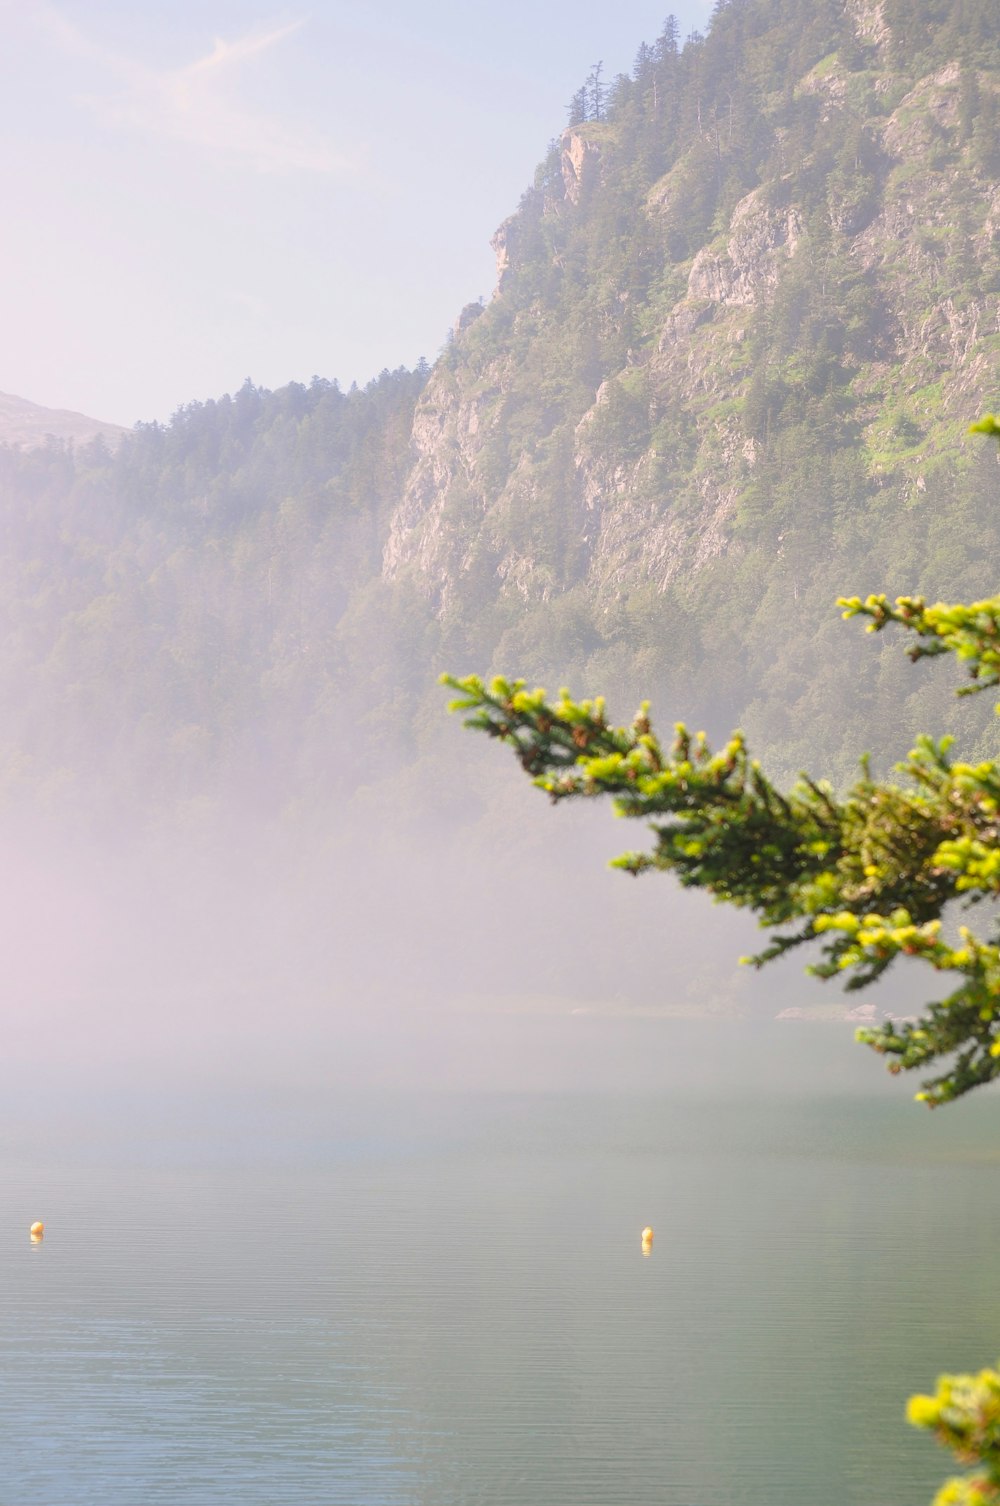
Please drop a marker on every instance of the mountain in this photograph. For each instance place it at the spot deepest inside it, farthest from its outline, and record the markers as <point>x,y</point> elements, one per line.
<point>743,319</point>
<point>744,316</point>
<point>28,425</point>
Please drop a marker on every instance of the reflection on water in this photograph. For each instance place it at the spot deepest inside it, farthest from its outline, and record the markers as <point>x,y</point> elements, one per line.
<point>445,1301</point>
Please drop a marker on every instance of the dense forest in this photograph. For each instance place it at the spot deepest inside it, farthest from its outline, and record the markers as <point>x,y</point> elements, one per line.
<point>186,617</point>
<point>745,313</point>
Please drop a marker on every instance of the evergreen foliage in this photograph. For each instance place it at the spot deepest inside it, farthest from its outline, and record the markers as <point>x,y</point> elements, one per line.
<point>871,873</point>
<point>964,1415</point>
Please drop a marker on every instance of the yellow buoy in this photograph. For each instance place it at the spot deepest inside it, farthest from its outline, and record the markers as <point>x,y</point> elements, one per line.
<point>37,1230</point>
<point>647,1235</point>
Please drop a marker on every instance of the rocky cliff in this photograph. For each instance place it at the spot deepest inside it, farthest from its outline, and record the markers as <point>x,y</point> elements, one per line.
<point>607,423</point>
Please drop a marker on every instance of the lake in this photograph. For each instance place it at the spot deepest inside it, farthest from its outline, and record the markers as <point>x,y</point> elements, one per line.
<point>329,1299</point>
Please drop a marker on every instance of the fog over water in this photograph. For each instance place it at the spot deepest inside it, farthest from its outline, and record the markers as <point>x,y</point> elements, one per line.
<point>481,958</point>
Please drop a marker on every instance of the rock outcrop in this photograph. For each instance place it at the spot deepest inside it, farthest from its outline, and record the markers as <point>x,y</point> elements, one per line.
<point>580,158</point>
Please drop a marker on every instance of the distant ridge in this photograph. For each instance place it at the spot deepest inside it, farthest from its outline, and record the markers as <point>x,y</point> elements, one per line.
<point>29,425</point>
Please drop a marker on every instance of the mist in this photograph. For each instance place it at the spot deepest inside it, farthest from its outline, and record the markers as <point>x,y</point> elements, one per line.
<point>498,955</point>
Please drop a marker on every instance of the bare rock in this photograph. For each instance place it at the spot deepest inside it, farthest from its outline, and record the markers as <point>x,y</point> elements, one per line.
<point>580,159</point>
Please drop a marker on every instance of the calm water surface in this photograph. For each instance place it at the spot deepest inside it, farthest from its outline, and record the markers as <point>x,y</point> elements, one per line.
<point>391,1299</point>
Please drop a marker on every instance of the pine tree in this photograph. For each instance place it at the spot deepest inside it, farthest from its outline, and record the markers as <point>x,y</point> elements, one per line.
<point>668,44</point>
<point>595,92</point>
<point>643,67</point>
<point>870,874</point>
<point>578,107</point>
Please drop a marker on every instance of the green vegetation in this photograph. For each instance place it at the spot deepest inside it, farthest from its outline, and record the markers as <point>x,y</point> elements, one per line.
<point>964,1415</point>
<point>871,873</point>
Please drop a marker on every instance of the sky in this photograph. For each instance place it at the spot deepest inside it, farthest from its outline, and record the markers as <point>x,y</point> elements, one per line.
<point>199,193</point>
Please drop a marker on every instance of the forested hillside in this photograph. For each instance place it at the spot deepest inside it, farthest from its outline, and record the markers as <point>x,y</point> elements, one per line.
<point>188,619</point>
<point>744,316</point>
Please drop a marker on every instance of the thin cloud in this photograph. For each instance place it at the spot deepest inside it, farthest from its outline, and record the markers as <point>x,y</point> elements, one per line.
<point>198,104</point>
<point>251,46</point>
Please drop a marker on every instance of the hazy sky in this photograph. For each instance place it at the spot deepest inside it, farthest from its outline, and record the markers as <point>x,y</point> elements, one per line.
<point>197,193</point>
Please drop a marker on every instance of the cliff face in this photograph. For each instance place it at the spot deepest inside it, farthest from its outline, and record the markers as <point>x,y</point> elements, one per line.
<point>606,424</point>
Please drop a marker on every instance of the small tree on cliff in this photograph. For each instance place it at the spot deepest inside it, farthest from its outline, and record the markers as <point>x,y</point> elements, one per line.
<point>578,107</point>
<point>596,90</point>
